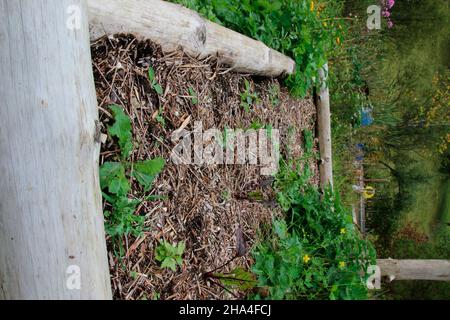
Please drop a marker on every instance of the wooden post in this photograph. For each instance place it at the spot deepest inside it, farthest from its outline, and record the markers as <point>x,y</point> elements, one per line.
<point>324,131</point>
<point>52,242</point>
<point>409,269</point>
<point>173,26</point>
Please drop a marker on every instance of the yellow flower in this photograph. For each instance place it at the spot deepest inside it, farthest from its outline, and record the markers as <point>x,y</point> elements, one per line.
<point>324,24</point>
<point>311,7</point>
<point>338,40</point>
<point>341,264</point>
<point>343,231</point>
<point>306,258</point>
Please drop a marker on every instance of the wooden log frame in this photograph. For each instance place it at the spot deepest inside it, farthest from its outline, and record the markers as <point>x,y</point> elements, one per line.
<point>52,240</point>
<point>173,26</point>
<point>414,269</point>
<point>324,131</point>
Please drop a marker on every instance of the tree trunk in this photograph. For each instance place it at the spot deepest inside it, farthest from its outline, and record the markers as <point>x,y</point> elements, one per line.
<point>172,26</point>
<point>438,270</point>
<point>324,131</point>
<point>51,224</point>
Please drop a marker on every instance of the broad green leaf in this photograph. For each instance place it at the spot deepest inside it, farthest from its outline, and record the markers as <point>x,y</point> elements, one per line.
<point>280,228</point>
<point>112,176</point>
<point>145,172</point>
<point>170,249</point>
<point>122,130</point>
<point>181,247</point>
<point>179,260</point>
<point>170,263</point>
<point>238,278</point>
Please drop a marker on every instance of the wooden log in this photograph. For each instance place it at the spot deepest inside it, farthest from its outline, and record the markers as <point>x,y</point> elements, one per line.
<point>410,269</point>
<point>51,223</point>
<point>324,131</point>
<point>173,26</point>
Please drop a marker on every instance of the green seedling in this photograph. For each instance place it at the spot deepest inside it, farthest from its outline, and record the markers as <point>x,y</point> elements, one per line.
<point>170,255</point>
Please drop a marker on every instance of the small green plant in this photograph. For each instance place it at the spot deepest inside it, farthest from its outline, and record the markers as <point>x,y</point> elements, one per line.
<point>134,275</point>
<point>274,94</point>
<point>121,129</point>
<point>160,118</point>
<point>225,195</point>
<point>193,96</point>
<point>255,195</point>
<point>309,143</point>
<point>256,125</point>
<point>227,136</point>
<point>170,255</point>
<point>156,296</point>
<point>155,85</point>
<point>248,97</point>
<point>115,181</point>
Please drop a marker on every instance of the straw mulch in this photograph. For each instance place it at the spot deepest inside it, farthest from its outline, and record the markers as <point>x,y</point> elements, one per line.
<point>208,207</point>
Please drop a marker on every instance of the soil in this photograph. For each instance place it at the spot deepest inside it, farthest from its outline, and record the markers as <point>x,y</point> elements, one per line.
<point>207,206</point>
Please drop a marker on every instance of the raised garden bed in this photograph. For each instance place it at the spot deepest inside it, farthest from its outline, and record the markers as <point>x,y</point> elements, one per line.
<point>209,207</point>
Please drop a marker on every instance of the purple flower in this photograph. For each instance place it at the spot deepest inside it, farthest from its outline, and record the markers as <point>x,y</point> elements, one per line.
<point>386,13</point>
<point>390,24</point>
<point>390,3</point>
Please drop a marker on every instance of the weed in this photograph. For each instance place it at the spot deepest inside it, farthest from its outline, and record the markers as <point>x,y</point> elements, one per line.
<point>309,142</point>
<point>160,118</point>
<point>121,218</point>
<point>274,94</point>
<point>248,97</point>
<point>256,125</point>
<point>170,255</point>
<point>156,296</point>
<point>122,130</point>
<point>193,95</point>
<point>255,196</point>
<point>155,85</point>
<point>225,195</point>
